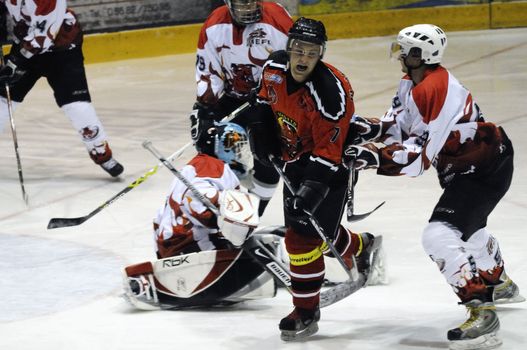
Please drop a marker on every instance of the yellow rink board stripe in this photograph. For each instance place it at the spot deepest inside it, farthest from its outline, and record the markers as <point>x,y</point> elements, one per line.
<point>172,40</point>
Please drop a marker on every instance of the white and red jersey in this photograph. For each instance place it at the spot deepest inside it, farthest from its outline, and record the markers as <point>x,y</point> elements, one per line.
<point>230,57</point>
<point>184,219</point>
<point>42,25</point>
<point>436,122</point>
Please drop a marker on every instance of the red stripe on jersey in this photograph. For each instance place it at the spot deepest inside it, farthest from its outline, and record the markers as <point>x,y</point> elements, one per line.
<point>467,111</point>
<point>219,16</point>
<point>45,7</point>
<point>430,94</point>
<point>209,167</point>
<point>275,15</point>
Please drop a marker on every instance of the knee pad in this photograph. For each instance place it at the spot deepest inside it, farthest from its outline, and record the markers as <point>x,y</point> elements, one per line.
<point>485,249</point>
<point>84,119</point>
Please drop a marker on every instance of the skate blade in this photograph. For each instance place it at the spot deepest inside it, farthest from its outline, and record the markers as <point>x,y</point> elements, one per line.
<point>484,342</point>
<point>516,299</point>
<point>296,336</point>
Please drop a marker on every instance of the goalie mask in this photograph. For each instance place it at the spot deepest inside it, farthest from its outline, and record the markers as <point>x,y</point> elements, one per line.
<point>428,38</point>
<point>231,145</point>
<point>245,11</point>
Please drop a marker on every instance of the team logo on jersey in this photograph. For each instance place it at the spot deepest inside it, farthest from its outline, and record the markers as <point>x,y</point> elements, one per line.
<point>90,132</point>
<point>242,81</point>
<point>291,142</point>
<point>258,37</point>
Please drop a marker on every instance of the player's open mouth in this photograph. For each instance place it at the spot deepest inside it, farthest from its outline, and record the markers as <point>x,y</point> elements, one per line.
<point>301,68</point>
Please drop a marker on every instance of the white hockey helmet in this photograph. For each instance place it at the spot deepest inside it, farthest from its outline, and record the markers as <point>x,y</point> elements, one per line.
<point>429,38</point>
<point>232,146</point>
<point>245,11</point>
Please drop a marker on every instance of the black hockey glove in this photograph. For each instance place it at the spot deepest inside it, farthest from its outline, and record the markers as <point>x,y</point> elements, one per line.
<point>263,135</point>
<point>306,199</point>
<point>363,130</point>
<point>201,121</point>
<point>14,68</point>
<point>364,157</point>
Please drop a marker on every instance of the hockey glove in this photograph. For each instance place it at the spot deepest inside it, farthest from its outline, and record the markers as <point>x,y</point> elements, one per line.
<point>14,67</point>
<point>264,134</point>
<point>363,157</point>
<point>306,199</point>
<point>363,130</point>
<point>201,122</point>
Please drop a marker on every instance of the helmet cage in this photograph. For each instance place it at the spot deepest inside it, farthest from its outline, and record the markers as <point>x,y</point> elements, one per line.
<point>245,11</point>
<point>232,147</point>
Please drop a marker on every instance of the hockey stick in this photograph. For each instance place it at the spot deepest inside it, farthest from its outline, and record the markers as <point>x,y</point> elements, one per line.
<point>353,273</point>
<point>275,267</point>
<point>13,132</point>
<point>350,216</point>
<point>66,222</point>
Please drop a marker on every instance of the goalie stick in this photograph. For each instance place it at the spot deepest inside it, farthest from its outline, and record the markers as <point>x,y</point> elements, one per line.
<point>350,216</point>
<point>66,222</point>
<point>258,251</point>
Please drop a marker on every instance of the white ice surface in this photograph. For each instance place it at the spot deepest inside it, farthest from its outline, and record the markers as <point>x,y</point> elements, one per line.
<point>59,289</point>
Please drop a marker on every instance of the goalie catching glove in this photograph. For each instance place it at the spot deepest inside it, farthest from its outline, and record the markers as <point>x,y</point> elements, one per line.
<point>238,215</point>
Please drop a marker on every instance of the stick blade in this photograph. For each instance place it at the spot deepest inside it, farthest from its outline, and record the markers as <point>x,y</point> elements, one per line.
<point>65,222</point>
<point>358,217</point>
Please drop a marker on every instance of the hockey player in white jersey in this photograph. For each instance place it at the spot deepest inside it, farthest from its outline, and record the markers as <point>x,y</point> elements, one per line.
<point>200,262</point>
<point>48,43</point>
<point>233,45</point>
<point>434,121</point>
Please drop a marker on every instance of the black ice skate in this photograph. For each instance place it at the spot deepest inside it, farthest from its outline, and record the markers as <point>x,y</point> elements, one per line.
<point>102,155</point>
<point>507,292</point>
<point>299,324</point>
<point>370,261</point>
<point>479,331</point>
<point>112,167</point>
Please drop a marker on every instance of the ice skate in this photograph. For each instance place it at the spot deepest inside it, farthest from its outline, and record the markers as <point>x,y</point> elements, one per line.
<point>140,291</point>
<point>370,261</point>
<point>102,155</point>
<point>507,292</point>
<point>112,167</point>
<point>299,324</point>
<point>479,331</point>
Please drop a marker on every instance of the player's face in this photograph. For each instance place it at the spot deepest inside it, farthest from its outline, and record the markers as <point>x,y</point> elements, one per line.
<point>412,60</point>
<point>303,57</point>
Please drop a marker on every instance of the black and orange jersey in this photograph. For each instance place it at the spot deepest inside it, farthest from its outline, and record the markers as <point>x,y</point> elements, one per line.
<point>313,116</point>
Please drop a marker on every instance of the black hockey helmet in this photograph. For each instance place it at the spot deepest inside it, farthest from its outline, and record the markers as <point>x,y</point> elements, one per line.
<point>245,11</point>
<point>309,30</point>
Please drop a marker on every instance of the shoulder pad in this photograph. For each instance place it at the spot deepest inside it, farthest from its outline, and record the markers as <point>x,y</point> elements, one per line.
<point>329,90</point>
<point>277,59</point>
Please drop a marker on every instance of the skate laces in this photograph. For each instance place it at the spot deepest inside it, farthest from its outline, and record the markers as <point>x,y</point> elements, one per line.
<point>475,313</point>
